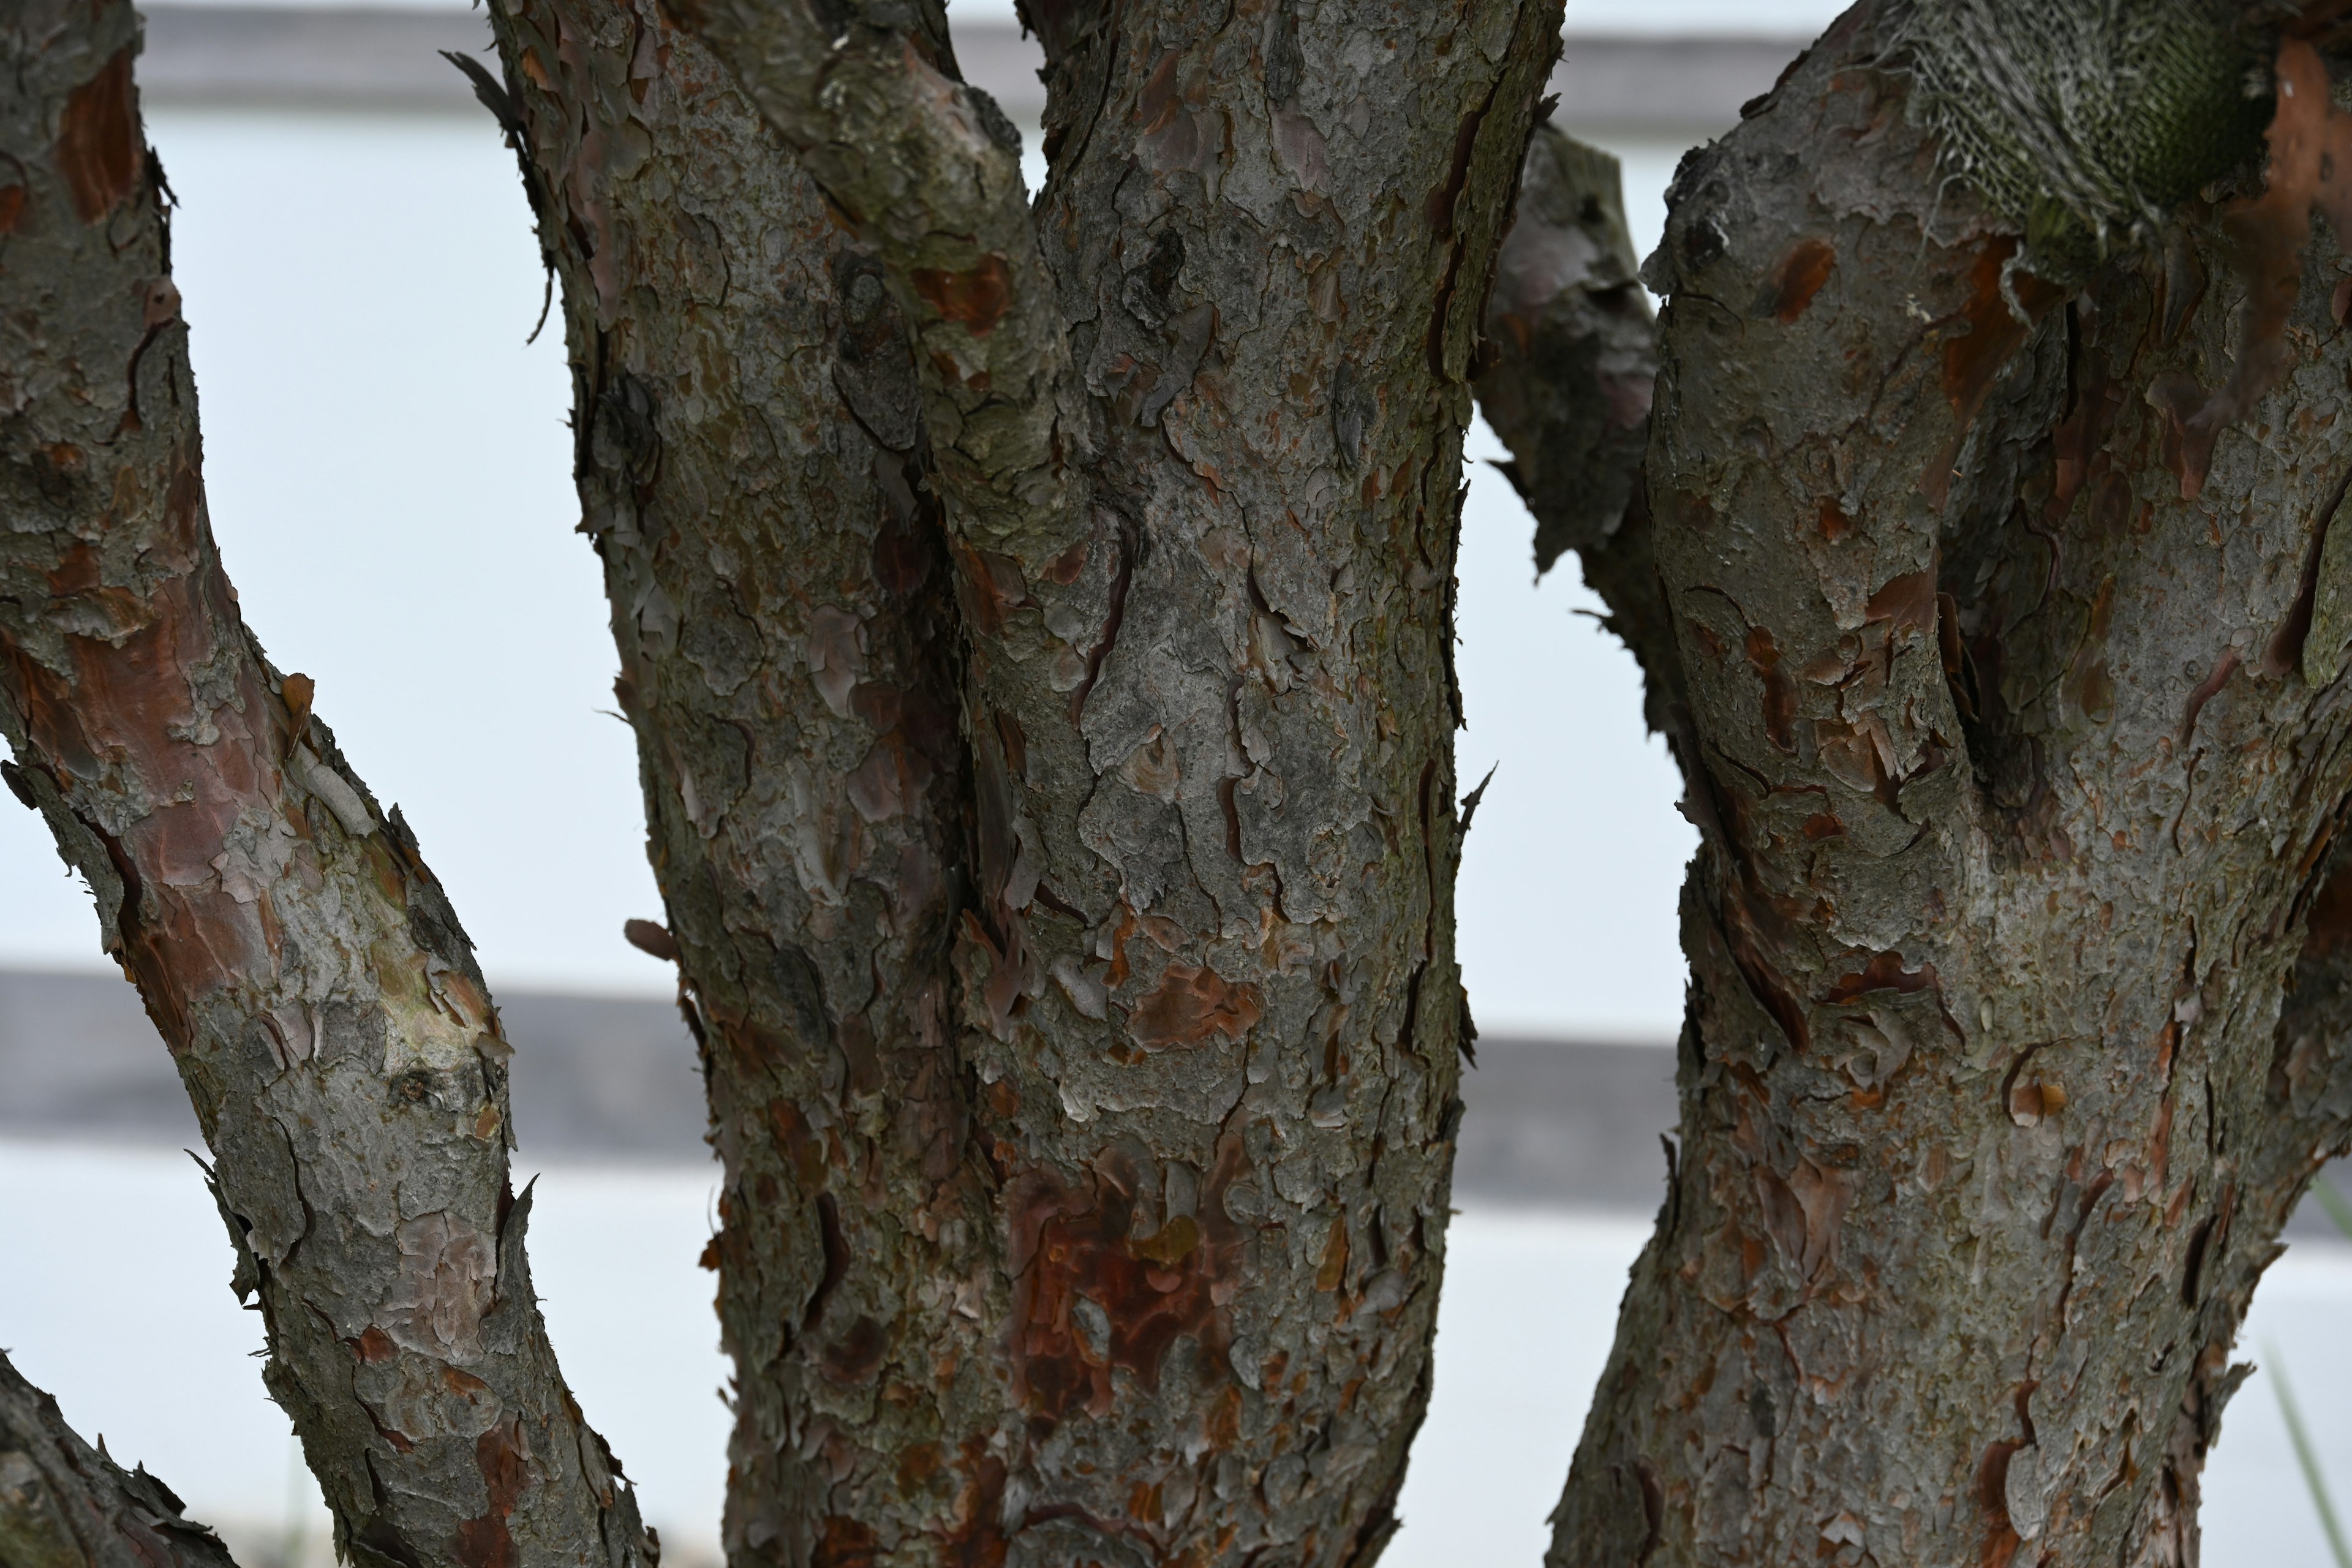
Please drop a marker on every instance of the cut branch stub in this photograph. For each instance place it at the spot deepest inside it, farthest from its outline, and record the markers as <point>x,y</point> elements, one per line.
<point>300,960</point>
<point>1569,362</point>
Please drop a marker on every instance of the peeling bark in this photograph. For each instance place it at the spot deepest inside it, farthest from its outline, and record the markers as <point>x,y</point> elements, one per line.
<point>753,473</point>
<point>64,1504</point>
<point>1084,1066</point>
<point>2019,775</point>
<point>300,960</point>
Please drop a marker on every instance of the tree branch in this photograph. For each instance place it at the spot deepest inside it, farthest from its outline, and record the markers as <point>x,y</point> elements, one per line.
<point>1047,1263</point>
<point>929,170</point>
<point>300,960</point>
<point>754,472</point>
<point>1571,352</point>
<point>2016,775</point>
<point>64,1504</point>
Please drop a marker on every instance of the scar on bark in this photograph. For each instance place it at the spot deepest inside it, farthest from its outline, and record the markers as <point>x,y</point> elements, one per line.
<point>1090,1295</point>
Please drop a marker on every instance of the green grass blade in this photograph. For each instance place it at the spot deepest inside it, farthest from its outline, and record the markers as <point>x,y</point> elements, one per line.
<point>2304,1456</point>
<point>2338,1207</point>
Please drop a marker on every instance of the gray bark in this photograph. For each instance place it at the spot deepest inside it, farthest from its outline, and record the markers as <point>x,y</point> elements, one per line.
<point>2017,738</point>
<point>64,1504</point>
<point>300,960</point>
<point>1046,736</point>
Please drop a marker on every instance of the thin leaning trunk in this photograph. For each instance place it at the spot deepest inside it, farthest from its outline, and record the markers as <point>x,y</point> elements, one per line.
<point>1047,735</point>
<point>300,961</point>
<point>2016,735</point>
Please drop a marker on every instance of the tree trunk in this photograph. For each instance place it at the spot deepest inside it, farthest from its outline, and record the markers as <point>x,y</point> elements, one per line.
<point>1047,735</point>
<point>64,1504</point>
<point>301,963</point>
<point>2015,730</point>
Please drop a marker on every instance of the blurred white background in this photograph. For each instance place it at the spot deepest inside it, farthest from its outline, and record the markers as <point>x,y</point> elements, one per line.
<point>388,471</point>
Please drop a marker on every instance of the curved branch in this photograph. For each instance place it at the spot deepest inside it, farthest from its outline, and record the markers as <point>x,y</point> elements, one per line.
<point>64,1504</point>
<point>301,963</point>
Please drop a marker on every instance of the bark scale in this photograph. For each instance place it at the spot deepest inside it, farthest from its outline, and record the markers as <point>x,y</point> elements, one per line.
<point>300,961</point>
<point>1084,1063</point>
<point>2019,776</point>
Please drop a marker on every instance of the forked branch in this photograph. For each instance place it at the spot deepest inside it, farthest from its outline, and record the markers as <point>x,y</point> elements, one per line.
<point>927,169</point>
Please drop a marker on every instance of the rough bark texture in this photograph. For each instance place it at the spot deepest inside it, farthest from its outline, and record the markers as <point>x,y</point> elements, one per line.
<point>1072,955</point>
<point>2017,774</point>
<point>750,467</point>
<point>64,1504</point>
<point>300,961</point>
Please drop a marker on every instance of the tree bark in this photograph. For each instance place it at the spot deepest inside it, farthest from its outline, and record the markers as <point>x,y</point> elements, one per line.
<point>753,473</point>
<point>2017,741</point>
<point>1046,734</point>
<point>64,1504</point>
<point>300,961</point>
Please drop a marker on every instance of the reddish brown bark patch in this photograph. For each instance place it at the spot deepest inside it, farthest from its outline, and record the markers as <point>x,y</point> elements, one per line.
<point>1189,1005</point>
<point>97,140</point>
<point>1908,603</point>
<point>1883,971</point>
<point>2001,1541</point>
<point>650,938</point>
<point>1793,281</point>
<point>977,1540</point>
<point>1090,1295</point>
<point>977,298</point>
<point>845,1544</point>
<point>503,1457</point>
